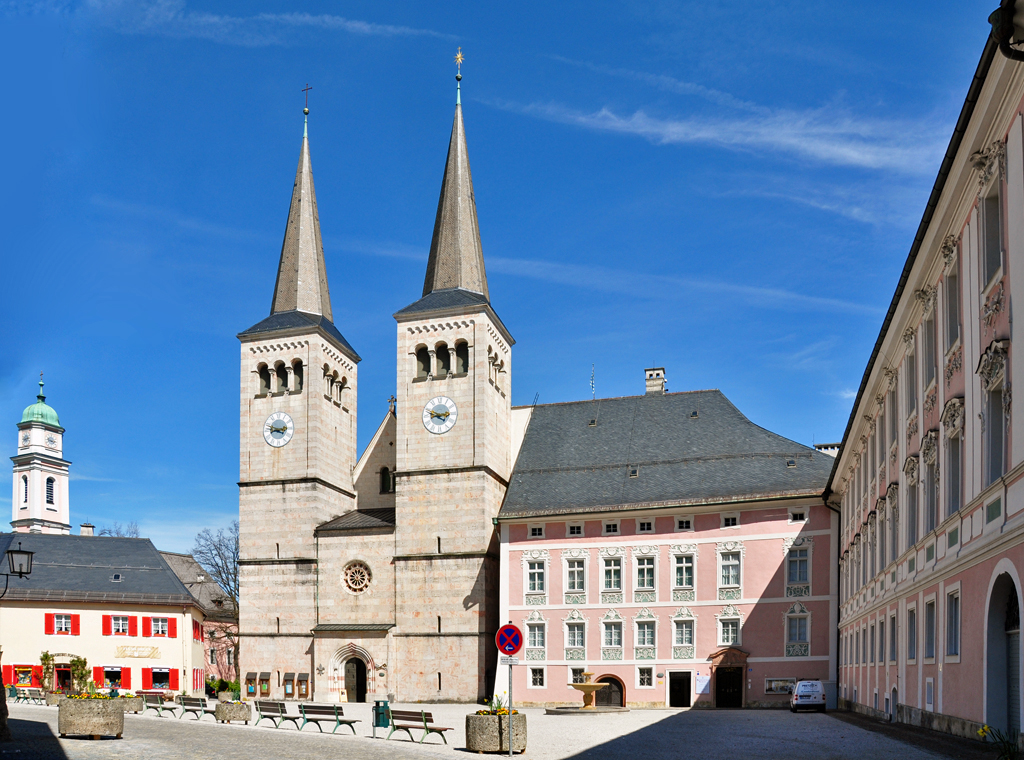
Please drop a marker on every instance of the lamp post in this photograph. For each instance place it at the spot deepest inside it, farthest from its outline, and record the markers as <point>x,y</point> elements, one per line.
<point>19,561</point>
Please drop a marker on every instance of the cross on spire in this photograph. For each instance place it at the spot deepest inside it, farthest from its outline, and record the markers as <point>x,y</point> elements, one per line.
<point>306,90</point>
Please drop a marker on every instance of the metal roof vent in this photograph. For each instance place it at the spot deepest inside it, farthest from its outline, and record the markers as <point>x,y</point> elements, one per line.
<point>592,423</point>
<point>634,472</point>
<point>693,414</point>
<point>115,578</point>
<point>790,463</point>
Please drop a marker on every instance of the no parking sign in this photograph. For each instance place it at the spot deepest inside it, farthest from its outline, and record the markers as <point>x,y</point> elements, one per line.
<point>509,640</point>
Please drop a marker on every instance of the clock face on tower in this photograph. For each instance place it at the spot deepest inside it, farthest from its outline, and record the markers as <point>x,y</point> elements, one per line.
<point>278,429</point>
<point>439,415</point>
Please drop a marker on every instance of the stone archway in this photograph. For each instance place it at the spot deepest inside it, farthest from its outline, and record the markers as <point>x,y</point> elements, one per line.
<point>1003,654</point>
<point>613,695</point>
<point>729,677</point>
<point>362,669</point>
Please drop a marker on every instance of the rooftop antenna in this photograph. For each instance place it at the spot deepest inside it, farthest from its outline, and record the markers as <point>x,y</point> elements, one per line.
<point>593,392</point>
<point>535,397</point>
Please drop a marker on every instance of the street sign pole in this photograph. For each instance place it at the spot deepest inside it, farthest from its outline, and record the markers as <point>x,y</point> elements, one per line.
<point>509,640</point>
<point>509,709</point>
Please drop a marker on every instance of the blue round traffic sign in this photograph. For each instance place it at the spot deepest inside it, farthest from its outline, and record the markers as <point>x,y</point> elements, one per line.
<point>509,639</point>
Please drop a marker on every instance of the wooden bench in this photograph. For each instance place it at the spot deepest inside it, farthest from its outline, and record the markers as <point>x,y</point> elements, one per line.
<point>317,713</point>
<point>275,712</point>
<point>195,705</point>
<point>156,702</point>
<point>35,696</point>
<point>415,720</point>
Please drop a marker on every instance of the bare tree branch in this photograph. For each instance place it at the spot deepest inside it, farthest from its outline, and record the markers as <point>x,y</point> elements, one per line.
<point>131,530</point>
<point>218,554</point>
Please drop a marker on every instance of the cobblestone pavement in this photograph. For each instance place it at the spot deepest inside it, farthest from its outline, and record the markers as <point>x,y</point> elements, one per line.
<point>656,733</point>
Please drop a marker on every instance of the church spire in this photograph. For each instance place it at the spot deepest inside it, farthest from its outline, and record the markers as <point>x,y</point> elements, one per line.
<point>456,256</point>
<point>302,275</point>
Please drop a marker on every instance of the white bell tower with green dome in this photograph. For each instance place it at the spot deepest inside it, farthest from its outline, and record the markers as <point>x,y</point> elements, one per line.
<point>40,501</point>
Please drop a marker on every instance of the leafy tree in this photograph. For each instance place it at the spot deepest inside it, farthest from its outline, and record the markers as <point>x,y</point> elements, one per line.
<point>80,677</point>
<point>46,661</point>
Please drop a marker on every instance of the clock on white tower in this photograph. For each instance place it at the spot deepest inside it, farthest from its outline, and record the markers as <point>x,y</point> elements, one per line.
<point>439,415</point>
<point>278,429</point>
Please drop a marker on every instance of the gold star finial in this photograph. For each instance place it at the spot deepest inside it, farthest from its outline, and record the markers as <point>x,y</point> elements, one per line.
<point>459,58</point>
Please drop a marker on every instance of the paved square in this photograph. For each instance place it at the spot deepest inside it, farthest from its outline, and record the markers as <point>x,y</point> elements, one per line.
<point>657,733</point>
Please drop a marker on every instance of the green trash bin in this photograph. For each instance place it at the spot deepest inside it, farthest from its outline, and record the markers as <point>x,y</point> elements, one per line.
<point>380,715</point>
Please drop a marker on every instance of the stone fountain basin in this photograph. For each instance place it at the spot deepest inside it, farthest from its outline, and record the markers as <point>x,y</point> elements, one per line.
<point>584,711</point>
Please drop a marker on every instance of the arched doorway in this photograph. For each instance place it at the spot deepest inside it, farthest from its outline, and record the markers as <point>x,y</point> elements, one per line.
<point>355,680</point>
<point>612,695</point>
<point>1003,656</point>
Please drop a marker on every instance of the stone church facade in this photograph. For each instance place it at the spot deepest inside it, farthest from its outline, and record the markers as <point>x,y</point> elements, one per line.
<point>374,575</point>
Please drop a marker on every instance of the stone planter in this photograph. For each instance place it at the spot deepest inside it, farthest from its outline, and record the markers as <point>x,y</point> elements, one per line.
<point>225,712</point>
<point>53,697</point>
<point>132,704</point>
<point>90,717</point>
<point>226,696</point>
<point>489,733</point>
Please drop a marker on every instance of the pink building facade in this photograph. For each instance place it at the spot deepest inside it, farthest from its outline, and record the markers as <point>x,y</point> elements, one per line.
<point>928,477</point>
<point>670,547</point>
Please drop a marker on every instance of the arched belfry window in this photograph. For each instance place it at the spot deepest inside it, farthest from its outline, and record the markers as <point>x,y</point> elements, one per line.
<point>422,362</point>
<point>264,373</point>
<point>444,360</point>
<point>387,481</point>
<point>24,483</point>
<point>49,490</point>
<point>461,358</point>
<point>282,378</point>
<point>297,376</point>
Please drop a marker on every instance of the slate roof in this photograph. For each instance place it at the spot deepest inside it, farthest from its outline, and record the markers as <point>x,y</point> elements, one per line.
<point>203,588</point>
<point>451,301</point>
<point>81,568</point>
<point>300,320</point>
<point>565,466</point>
<point>329,627</point>
<point>358,520</point>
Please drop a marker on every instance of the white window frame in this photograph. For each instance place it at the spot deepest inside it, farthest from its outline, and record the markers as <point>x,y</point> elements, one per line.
<point>570,526</point>
<point>930,599</point>
<point>805,546</point>
<point>535,527</point>
<point>61,623</point>
<point>531,581</point>
<point>566,559</point>
<point>159,626</point>
<point>645,521</point>
<point>917,633</point>
<point>953,589</point>
<point>531,627</point>
<point>636,632</point>
<point>693,631</point>
<point>115,623</point>
<point>527,557</point>
<point>729,515</point>
<point>653,676</point>
<point>606,524</point>
<point>529,676</point>
<point>729,614</point>
<point>805,511</point>
<point>566,626</point>
<point>636,571</point>
<point>570,669</point>
<point>730,547</point>
<point>929,690</point>
<point>693,570</point>
<point>604,576</point>
<point>676,521</point>
<point>605,625</point>
<point>795,613</point>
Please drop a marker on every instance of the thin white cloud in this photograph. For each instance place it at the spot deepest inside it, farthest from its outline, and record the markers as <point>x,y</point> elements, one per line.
<point>75,475</point>
<point>847,394</point>
<point>826,136</point>
<point>172,18</point>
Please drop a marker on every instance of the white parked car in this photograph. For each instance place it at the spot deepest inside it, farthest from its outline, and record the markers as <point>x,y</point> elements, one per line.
<point>809,694</point>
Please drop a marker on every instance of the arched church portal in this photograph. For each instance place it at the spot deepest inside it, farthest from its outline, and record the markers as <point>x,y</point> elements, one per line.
<point>1003,658</point>
<point>352,669</point>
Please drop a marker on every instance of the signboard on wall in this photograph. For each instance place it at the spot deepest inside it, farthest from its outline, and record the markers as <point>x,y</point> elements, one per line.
<point>703,684</point>
<point>779,685</point>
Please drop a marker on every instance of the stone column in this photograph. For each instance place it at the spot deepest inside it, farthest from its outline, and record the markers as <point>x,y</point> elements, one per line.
<point>432,371</point>
<point>451,361</point>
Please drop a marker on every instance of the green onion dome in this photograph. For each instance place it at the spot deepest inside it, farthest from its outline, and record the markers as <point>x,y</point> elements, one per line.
<point>40,411</point>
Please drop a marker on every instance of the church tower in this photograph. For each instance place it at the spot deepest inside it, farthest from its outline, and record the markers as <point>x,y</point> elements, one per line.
<point>40,503</point>
<point>297,442</point>
<point>453,455</point>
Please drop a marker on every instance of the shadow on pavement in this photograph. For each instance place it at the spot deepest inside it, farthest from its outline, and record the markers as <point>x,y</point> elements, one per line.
<point>32,739</point>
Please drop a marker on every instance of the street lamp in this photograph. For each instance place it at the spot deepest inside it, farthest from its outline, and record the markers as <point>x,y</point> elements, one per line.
<point>20,562</point>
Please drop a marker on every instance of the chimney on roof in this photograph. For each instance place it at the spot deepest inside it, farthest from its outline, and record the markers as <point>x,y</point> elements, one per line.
<point>87,529</point>
<point>655,379</point>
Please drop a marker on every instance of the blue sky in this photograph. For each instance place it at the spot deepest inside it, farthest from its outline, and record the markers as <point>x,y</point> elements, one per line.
<point>722,189</point>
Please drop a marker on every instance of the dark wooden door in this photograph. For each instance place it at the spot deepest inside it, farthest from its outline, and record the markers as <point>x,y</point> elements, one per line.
<point>729,687</point>
<point>355,680</point>
<point>679,689</point>
<point>610,695</point>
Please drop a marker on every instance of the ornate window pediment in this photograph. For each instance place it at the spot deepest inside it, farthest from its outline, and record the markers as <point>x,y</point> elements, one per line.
<point>575,553</point>
<point>926,296</point>
<point>535,617</point>
<point>892,494</point>
<point>535,555</point>
<point>930,447</point>
<point>611,551</point>
<point>796,609</point>
<point>730,546</point>
<point>804,542</point>
<point>953,417</point>
<point>574,616</point>
<point>989,162</point>
<point>645,614</point>
<point>911,468</point>
<point>684,549</point>
<point>684,613</point>
<point>992,365</point>
<point>729,611</point>
<point>645,551</point>
<point>612,615</point>
<point>948,250</point>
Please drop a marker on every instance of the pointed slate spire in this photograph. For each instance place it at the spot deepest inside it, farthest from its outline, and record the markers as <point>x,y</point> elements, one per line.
<point>302,275</point>
<point>456,257</point>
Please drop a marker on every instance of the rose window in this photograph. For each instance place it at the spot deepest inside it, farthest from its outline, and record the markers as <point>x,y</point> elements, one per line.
<point>357,577</point>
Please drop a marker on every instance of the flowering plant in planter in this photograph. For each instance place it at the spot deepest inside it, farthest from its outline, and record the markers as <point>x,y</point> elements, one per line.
<point>1007,744</point>
<point>496,707</point>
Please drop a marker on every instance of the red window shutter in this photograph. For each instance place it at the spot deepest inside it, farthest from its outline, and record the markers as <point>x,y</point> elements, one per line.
<point>76,625</point>
<point>49,627</point>
<point>172,628</point>
<point>97,676</point>
<point>133,626</point>
<point>37,675</point>
<point>8,674</point>
<point>126,677</point>
<point>108,625</point>
<point>147,629</point>
<point>147,675</point>
<point>173,675</point>
<point>202,632</point>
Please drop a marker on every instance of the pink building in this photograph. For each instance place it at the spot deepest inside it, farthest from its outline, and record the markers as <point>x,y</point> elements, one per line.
<point>929,472</point>
<point>671,547</point>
